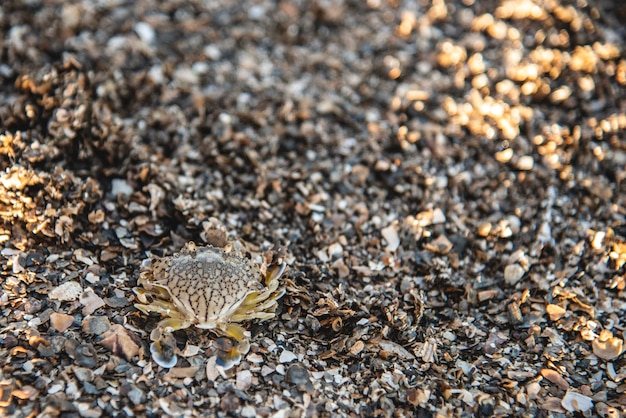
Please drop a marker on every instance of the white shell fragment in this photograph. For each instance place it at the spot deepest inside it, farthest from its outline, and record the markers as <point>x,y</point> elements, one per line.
<point>513,273</point>
<point>66,292</point>
<point>120,186</point>
<point>576,402</point>
<point>287,356</point>
<point>608,347</point>
<point>390,234</point>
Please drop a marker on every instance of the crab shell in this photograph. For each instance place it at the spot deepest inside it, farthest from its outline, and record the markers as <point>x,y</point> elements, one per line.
<point>211,288</point>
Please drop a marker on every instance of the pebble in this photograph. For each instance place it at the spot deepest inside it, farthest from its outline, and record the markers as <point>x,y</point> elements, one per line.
<point>117,302</point>
<point>555,312</point>
<point>58,387</point>
<point>335,251</point>
<point>396,349</point>
<point>266,370</point>
<point>32,306</point>
<point>525,163</point>
<point>297,375</point>
<point>212,372</point>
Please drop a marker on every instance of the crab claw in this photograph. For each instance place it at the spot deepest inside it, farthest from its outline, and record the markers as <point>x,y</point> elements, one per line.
<point>229,353</point>
<point>163,351</point>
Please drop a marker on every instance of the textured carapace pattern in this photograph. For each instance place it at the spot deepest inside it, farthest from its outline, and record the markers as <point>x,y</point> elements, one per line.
<point>207,283</point>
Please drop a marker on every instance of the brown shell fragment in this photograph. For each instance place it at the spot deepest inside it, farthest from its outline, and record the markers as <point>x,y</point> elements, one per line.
<point>120,342</point>
<point>555,312</point>
<point>608,349</point>
<point>555,377</point>
<point>60,321</point>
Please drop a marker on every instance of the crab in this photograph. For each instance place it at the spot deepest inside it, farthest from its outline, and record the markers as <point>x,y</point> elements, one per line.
<point>211,288</point>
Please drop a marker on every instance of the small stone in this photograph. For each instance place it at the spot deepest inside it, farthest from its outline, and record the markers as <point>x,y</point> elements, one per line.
<point>266,370</point>
<point>438,217</point>
<point>86,410</point>
<point>92,278</point>
<point>68,291</point>
<point>32,306</point>
<point>312,322</point>
<point>256,12</point>
<point>484,229</point>
<point>26,392</point>
<point>513,273</point>
<point>287,356</point>
<point>298,376</point>
<point>449,335</point>
<point>96,325</point>
<point>60,321</point>
<point>493,343</point>
<point>145,32</point>
<point>525,163</point>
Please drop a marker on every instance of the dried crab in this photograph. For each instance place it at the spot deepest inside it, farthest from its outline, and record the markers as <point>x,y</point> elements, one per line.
<point>211,288</point>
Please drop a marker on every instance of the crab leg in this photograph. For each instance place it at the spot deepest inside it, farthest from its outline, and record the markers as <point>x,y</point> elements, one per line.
<point>158,306</point>
<point>272,276</point>
<point>163,347</point>
<point>232,356</point>
<point>155,292</point>
<point>257,303</point>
